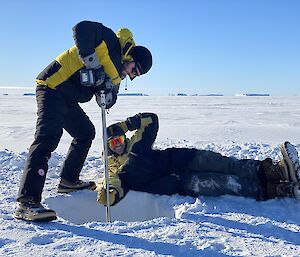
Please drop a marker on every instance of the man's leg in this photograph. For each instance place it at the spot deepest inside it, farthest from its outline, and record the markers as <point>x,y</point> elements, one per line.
<point>215,184</point>
<point>173,160</point>
<point>79,126</point>
<point>216,174</point>
<point>167,185</point>
<point>208,161</point>
<point>51,108</point>
<point>182,160</point>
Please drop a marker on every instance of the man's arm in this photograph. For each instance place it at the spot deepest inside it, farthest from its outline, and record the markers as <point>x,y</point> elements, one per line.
<point>146,126</point>
<point>87,36</point>
<point>116,192</point>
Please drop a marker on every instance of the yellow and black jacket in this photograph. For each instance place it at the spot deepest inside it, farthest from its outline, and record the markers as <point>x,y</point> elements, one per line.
<point>145,127</point>
<point>111,49</point>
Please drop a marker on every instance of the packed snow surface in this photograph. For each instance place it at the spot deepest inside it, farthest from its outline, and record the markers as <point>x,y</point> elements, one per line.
<point>152,225</point>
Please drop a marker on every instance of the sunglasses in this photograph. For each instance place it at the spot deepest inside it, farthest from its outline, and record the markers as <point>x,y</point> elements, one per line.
<point>117,139</point>
<point>136,70</point>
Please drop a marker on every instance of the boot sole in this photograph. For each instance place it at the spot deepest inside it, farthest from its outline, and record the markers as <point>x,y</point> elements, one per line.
<point>285,169</point>
<point>289,152</point>
<point>42,217</point>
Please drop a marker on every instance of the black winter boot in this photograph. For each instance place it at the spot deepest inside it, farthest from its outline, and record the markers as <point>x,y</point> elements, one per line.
<point>33,211</point>
<point>283,189</point>
<point>274,172</point>
<point>67,186</point>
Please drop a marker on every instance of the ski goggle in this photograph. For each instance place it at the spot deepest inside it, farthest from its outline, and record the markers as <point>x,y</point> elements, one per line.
<point>117,139</point>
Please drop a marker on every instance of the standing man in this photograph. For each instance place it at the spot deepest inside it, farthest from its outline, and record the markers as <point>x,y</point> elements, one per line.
<point>99,60</point>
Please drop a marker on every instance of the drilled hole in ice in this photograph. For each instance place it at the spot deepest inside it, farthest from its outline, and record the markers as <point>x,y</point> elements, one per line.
<point>82,207</point>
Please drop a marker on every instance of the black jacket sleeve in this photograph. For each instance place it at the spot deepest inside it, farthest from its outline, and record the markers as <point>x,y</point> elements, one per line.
<point>87,35</point>
<point>146,133</point>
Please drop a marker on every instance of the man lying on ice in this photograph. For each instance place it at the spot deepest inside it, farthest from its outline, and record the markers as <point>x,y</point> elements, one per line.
<point>134,165</point>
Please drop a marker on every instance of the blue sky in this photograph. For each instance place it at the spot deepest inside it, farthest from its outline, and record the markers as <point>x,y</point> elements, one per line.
<point>212,46</point>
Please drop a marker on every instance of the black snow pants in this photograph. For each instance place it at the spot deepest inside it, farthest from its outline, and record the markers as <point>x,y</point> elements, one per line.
<point>192,172</point>
<point>55,113</point>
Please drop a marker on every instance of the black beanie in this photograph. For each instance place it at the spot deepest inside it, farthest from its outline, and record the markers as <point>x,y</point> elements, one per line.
<point>142,57</point>
<point>113,131</point>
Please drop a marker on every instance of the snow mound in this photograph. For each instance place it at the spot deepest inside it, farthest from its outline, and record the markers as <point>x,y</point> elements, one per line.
<point>82,207</point>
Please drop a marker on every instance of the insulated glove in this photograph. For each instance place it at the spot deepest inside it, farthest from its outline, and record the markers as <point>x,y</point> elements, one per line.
<point>100,76</point>
<point>92,78</point>
<point>94,74</point>
<point>110,99</point>
<point>111,93</point>
<point>134,122</point>
<point>102,196</point>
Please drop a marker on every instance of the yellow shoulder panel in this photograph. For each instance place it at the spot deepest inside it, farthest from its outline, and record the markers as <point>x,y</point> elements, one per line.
<point>126,41</point>
<point>106,62</point>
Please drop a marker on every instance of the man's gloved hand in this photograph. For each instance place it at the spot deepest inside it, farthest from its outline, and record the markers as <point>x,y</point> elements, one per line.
<point>91,61</point>
<point>94,74</point>
<point>92,78</point>
<point>111,93</point>
<point>100,76</point>
<point>134,122</point>
<point>102,196</point>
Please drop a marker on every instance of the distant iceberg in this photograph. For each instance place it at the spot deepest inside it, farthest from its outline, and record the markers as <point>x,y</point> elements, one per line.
<point>29,94</point>
<point>131,94</point>
<point>247,94</point>
<point>17,91</point>
<point>211,95</point>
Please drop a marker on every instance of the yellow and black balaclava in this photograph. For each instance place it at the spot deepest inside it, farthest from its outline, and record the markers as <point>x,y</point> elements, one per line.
<point>126,42</point>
